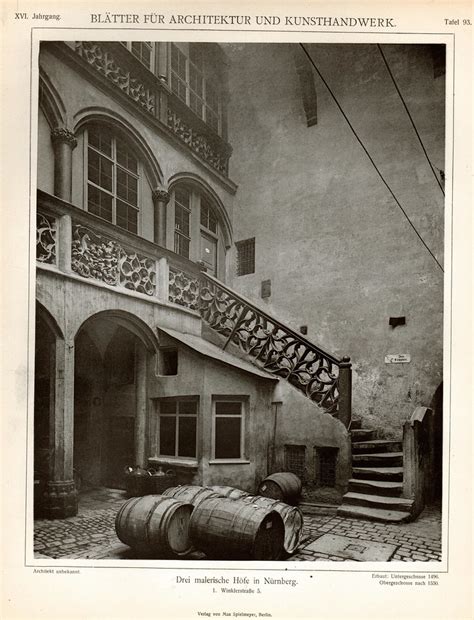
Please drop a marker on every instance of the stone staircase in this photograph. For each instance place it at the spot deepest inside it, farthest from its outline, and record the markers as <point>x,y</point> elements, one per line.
<point>376,487</point>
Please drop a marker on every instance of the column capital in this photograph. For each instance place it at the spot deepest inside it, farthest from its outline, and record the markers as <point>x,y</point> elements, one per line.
<point>160,195</point>
<point>63,135</point>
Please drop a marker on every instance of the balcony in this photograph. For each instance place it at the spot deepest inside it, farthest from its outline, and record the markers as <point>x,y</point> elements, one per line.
<point>78,243</point>
<point>148,94</point>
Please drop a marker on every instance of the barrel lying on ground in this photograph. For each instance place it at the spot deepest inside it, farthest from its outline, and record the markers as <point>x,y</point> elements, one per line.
<point>284,486</point>
<point>230,492</point>
<point>190,494</point>
<point>292,519</point>
<point>228,529</point>
<point>155,526</point>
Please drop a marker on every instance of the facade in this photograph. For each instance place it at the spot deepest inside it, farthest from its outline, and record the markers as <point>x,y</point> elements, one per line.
<point>211,245</point>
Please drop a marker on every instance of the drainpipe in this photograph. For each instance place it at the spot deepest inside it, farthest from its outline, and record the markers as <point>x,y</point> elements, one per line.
<point>276,406</point>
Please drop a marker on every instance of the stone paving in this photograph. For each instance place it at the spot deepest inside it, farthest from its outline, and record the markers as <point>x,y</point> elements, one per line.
<point>92,534</point>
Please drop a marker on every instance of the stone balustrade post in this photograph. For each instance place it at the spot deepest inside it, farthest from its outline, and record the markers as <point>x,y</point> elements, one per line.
<point>64,142</point>
<point>64,243</point>
<point>162,279</point>
<point>344,414</point>
<point>160,200</point>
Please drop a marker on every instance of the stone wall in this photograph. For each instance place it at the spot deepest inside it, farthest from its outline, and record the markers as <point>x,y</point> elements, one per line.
<point>340,254</point>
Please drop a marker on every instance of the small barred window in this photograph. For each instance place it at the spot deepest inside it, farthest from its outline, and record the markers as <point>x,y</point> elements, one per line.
<point>245,256</point>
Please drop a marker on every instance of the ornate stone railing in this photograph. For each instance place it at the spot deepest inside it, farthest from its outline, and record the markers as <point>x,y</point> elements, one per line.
<point>273,346</point>
<point>98,257</point>
<point>46,233</point>
<point>81,244</point>
<point>120,68</point>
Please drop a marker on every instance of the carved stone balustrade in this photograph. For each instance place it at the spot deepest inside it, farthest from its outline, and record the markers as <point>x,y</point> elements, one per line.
<point>126,73</point>
<point>46,233</point>
<point>100,258</point>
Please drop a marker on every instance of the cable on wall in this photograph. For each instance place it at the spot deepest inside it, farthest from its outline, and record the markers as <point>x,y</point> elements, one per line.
<point>369,156</point>
<point>411,118</point>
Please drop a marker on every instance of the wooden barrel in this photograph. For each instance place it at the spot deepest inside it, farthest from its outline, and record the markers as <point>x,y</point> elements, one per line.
<point>190,494</point>
<point>229,529</point>
<point>230,492</point>
<point>155,525</point>
<point>284,486</point>
<point>292,519</point>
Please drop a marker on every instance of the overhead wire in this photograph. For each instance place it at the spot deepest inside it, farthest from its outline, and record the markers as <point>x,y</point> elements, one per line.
<point>411,118</point>
<point>368,155</point>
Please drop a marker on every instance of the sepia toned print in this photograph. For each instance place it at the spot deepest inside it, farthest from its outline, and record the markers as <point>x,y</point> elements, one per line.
<point>239,301</point>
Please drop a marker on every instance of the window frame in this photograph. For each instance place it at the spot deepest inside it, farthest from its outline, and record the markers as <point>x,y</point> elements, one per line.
<point>116,165</point>
<point>177,416</point>
<point>152,46</point>
<point>239,245</point>
<point>208,83</point>
<point>243,416</point>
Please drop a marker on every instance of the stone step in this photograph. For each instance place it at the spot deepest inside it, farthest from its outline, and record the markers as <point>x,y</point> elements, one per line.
<point>376,445</point>
<point>377,501</point>
<point>363,434</point>
<point>375,459</point>
<point>376,487</point>
<point>356,423</point>
<point>373,514</point>
<point>394,474</point>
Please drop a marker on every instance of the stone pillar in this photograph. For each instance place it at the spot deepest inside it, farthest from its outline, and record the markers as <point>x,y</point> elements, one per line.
<point>162,61</point>
<point>160,200</point>
<point>61,495</point>
<point>141,403</point>
<point>64,143</point>
<point>345,391</point>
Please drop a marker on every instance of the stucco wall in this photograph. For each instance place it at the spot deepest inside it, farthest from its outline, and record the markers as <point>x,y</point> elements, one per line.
<point>340,254</point>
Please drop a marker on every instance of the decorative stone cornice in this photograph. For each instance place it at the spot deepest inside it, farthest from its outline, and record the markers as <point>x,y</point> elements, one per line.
<point>63,135</point>
<point>160,195</point>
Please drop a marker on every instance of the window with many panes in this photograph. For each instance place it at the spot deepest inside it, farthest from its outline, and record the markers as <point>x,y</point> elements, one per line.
<point>208,236</point>
<point>195,85</point>
<point>182,219</point>
<point>228,429</point>
<point>177,428</point>
<point>196,227</point>
<point>143,50</point>
<point>112,178</point>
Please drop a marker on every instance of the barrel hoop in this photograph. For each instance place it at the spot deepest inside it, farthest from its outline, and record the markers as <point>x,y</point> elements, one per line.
<point>155,504</point>
<point>131,505</point>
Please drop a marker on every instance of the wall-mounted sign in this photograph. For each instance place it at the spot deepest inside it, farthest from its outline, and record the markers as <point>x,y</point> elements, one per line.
<point>398,358</point>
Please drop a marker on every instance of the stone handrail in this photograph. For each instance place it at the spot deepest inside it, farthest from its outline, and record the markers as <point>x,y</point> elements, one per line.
<point>418,447</point>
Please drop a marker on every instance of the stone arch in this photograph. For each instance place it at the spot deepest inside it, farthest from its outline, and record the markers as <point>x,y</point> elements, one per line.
<point>43,313</point>
<point>128,321</point>
<point>102,115</point>
<point>50,102</point>
<point>194,180</point>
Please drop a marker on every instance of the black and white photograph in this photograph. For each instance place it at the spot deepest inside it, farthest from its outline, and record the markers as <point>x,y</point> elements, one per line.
<point>239,301</point>
<point>236,312</point>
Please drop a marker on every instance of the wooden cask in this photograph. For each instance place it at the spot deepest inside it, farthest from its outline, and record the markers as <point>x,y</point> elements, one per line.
<point>228,529</point>
<point>283,486</point>
<point>291,515</point>
<point>190,494</point>
<point>230,492</point>
<point>155,526</point>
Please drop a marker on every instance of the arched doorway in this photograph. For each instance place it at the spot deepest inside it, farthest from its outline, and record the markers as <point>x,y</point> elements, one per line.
<point>110,401</point>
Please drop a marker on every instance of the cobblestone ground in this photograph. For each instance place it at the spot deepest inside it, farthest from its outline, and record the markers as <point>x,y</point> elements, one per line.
<point>91,533</point>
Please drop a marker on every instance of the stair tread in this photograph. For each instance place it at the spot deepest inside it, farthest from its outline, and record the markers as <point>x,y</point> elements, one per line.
<point>379,499</point>
<point>381,484</point>
<point>391,455</point>
<point>380,470</point>
<point>376,514</point>
<point>377,442</point>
